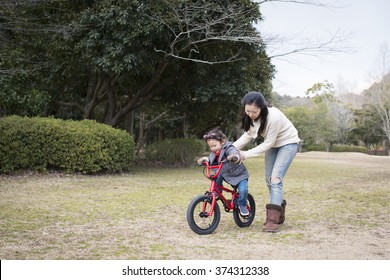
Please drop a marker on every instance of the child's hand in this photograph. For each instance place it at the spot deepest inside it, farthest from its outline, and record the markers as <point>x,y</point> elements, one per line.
<point>202,160</point>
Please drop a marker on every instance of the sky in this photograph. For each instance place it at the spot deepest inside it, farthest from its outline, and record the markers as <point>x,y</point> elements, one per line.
<point>363,26</point>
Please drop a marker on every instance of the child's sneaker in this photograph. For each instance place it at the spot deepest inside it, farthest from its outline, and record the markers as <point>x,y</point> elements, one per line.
<point>243,210</point>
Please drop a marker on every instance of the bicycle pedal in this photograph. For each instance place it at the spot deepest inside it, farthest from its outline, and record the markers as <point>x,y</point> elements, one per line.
<point>227,203</point>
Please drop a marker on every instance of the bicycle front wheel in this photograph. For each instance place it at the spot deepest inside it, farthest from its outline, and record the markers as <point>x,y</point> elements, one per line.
<point>198,215</point>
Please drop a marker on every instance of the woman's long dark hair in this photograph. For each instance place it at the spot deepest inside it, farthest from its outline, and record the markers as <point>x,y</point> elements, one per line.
<point>258,99</point>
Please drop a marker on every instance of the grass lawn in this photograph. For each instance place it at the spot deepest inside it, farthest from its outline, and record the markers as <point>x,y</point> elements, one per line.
<point>338,208</point>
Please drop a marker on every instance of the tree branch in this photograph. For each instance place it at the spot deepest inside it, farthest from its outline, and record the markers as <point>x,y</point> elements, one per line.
<point>334,44</point>
<point>193,27</point>
<point>304,2</point>
<point>71,104</point>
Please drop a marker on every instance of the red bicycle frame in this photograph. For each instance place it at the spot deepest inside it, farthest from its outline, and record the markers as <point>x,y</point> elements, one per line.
<point>216,190</point>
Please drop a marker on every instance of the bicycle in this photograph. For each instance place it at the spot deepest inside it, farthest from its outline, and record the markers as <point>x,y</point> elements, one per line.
<point>203,212</point>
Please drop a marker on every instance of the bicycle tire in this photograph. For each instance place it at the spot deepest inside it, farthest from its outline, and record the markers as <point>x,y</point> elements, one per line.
<point>245,221</point>
<point>197,220</point>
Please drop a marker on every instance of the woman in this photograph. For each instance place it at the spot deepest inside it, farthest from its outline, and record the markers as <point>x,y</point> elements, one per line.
<point>280,146</point>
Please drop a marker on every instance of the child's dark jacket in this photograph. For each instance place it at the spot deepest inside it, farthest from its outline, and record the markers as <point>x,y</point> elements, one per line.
<point>233,173</point>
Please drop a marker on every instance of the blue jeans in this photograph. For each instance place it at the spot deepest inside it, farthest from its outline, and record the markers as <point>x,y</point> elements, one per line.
<point>277,162</point>
<point>242,190</point>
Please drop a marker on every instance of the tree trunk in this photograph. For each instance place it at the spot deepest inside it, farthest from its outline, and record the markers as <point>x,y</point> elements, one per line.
<point>96,93</point>
<point>141,143</point>
<point>142,97</point>
<point>185,128</point>
<point>129,123</point>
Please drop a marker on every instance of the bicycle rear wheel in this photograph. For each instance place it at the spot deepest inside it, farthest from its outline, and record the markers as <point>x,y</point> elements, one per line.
<point>245,221</point>
<point>197,215</point>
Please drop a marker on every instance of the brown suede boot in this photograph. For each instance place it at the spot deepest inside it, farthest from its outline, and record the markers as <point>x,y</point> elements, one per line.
<point>273,216</point>
<point>283,212</point>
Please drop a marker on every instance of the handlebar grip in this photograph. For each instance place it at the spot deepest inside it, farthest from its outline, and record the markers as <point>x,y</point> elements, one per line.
<point>204,162</point>
<point>233,158</point>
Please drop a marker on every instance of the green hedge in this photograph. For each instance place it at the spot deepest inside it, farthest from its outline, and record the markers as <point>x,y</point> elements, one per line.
<point>314,147</point>
<point>334,148</point>
<point>348,148</point>
<point>175,152</point>
<point>72,146</point>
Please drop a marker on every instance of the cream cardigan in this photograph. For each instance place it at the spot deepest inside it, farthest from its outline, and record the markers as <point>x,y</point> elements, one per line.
<point>279,131</point>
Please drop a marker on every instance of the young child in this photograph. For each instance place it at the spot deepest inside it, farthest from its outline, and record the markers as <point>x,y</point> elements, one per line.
<point>232,172</point>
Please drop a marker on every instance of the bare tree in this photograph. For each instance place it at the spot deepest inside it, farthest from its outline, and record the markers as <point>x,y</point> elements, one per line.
<point>379,99</point>
<point>343,120</point>
<point>378,94</point>
<point>382,63</point>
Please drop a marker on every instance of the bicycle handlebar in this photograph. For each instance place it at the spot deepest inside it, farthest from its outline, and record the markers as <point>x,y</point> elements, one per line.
<point>231,158</point>
<point>208,167</point>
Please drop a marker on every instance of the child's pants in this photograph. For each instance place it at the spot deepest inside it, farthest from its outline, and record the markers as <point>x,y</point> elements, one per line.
<point>242,189</point>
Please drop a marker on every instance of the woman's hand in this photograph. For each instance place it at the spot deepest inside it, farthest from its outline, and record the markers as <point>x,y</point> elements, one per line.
<point>242,156</point>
